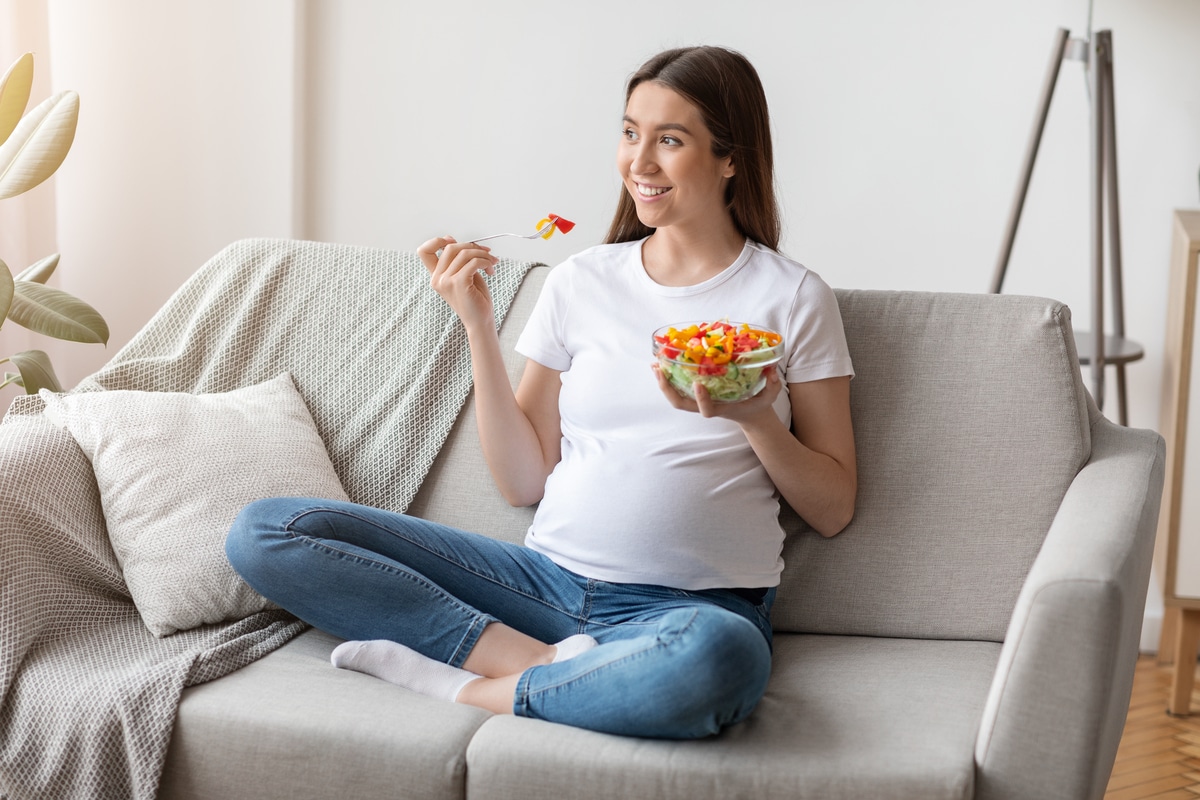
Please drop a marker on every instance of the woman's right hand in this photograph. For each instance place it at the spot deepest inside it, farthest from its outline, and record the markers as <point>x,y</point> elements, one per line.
<point>454,274</point>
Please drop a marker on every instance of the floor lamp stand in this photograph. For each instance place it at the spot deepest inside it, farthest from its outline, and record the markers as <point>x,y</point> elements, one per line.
<point>1095,348</point>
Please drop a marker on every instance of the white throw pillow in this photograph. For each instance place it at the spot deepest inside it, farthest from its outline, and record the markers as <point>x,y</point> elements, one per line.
<point>174,469</point>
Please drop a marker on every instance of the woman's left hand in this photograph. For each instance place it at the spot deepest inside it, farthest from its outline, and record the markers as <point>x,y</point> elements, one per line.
<point>705,406</point>
<point>814,468</point>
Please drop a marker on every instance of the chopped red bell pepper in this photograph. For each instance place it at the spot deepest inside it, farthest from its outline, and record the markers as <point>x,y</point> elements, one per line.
<point>711,346</point>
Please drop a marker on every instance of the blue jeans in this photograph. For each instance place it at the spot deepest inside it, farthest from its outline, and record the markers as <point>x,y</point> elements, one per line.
<point>670,663</point>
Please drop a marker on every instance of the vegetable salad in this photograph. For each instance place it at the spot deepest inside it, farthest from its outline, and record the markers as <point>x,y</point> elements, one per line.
<point>726,358</point>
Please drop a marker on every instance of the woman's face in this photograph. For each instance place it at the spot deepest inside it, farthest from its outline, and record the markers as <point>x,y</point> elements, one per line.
<point>666,161</point>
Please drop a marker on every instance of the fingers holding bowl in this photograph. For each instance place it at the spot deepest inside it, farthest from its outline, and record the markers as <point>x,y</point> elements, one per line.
<point>673,395</point>
<point>749,405</point>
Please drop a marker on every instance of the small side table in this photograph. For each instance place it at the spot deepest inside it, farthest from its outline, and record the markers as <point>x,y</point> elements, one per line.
<point>1118,351</point>
<point>1180,642</point>
<point>1177,548</point>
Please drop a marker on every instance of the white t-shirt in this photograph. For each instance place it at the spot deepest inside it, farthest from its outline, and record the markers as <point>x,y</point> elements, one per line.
<point>646,493</point>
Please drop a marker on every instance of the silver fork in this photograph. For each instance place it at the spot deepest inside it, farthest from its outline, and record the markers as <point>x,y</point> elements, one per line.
<point>549,226</point>
<point>541,232</point>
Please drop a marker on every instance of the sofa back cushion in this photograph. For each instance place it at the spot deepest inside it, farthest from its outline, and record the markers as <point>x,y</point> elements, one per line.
<point>970,422</point>
<point>381,361</point>
<point>459,489</point>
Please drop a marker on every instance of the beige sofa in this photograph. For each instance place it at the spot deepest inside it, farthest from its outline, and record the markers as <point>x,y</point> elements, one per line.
<point>972,634</point>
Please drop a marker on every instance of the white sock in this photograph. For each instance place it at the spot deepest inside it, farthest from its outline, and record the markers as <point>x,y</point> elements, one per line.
<point>573,646</point>
<point>395,663</point>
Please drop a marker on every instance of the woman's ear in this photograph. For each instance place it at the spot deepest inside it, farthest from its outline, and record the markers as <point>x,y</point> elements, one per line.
<point>730,170</point>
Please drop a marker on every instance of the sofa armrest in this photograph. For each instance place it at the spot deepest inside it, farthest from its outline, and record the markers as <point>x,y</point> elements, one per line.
<point>1058,701</point>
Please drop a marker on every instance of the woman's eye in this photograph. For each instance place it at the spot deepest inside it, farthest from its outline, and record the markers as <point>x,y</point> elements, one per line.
<point>671,140</point>
<point>629,134</point>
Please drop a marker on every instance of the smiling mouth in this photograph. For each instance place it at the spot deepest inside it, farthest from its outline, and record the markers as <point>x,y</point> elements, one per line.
<point>651,191</point>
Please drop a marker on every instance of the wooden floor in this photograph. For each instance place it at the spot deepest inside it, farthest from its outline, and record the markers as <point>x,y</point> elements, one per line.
<point>1159,756</point>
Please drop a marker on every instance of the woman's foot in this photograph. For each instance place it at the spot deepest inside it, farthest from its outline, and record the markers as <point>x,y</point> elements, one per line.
<point>403,666</point>
<point>572,646</point>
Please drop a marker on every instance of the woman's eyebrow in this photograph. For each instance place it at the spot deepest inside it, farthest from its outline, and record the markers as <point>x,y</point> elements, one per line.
<point>666,126</point>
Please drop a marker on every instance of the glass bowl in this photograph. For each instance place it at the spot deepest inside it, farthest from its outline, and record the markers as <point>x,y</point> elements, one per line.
<point>726,358</point>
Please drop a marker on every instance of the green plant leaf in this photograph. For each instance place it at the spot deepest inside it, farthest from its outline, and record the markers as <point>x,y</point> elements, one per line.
<point>36,371</point>
<point>39,271</point>
<point>6,291</point>
<point>53,312</point>
<point>15,87</point>
<point>39,144</point>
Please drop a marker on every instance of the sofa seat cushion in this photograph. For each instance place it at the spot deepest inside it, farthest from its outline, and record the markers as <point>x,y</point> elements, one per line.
<point>291,725</point>
<point>843,717</point>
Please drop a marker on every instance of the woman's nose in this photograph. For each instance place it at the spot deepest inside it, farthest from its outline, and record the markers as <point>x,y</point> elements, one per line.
<point>643,160</point>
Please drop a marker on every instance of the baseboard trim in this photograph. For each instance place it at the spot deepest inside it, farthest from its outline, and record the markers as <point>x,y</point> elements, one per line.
<point>1152,624</point>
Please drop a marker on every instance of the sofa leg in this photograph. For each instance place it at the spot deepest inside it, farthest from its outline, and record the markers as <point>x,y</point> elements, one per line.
<point>1165,656</point>
<point>1187,642</point>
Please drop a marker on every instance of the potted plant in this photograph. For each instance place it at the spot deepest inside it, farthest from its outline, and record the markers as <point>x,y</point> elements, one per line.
<point>32,146</point>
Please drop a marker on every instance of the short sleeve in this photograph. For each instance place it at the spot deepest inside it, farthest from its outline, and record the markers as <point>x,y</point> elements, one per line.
<point>543,338</point>
<point>819,347</point>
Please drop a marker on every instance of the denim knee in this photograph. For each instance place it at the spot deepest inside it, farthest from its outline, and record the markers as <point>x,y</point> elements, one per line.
<point>248,536</point>
<point>728,670</point>
<point>716,669</point>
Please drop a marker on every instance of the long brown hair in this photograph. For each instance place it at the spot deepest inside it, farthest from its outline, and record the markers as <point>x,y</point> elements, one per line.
<point>724,86</point>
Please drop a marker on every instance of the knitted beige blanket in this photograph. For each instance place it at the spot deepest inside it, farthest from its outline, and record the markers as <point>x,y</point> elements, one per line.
<point>87,694</point>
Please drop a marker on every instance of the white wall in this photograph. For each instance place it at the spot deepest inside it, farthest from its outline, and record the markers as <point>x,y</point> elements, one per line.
<point>899,127</point>
<point>185,142</point>
<point>900,130</point>
<point>27,222</point>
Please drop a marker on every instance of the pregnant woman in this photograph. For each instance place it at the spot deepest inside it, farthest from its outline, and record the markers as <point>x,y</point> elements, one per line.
<point>640,603</point>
